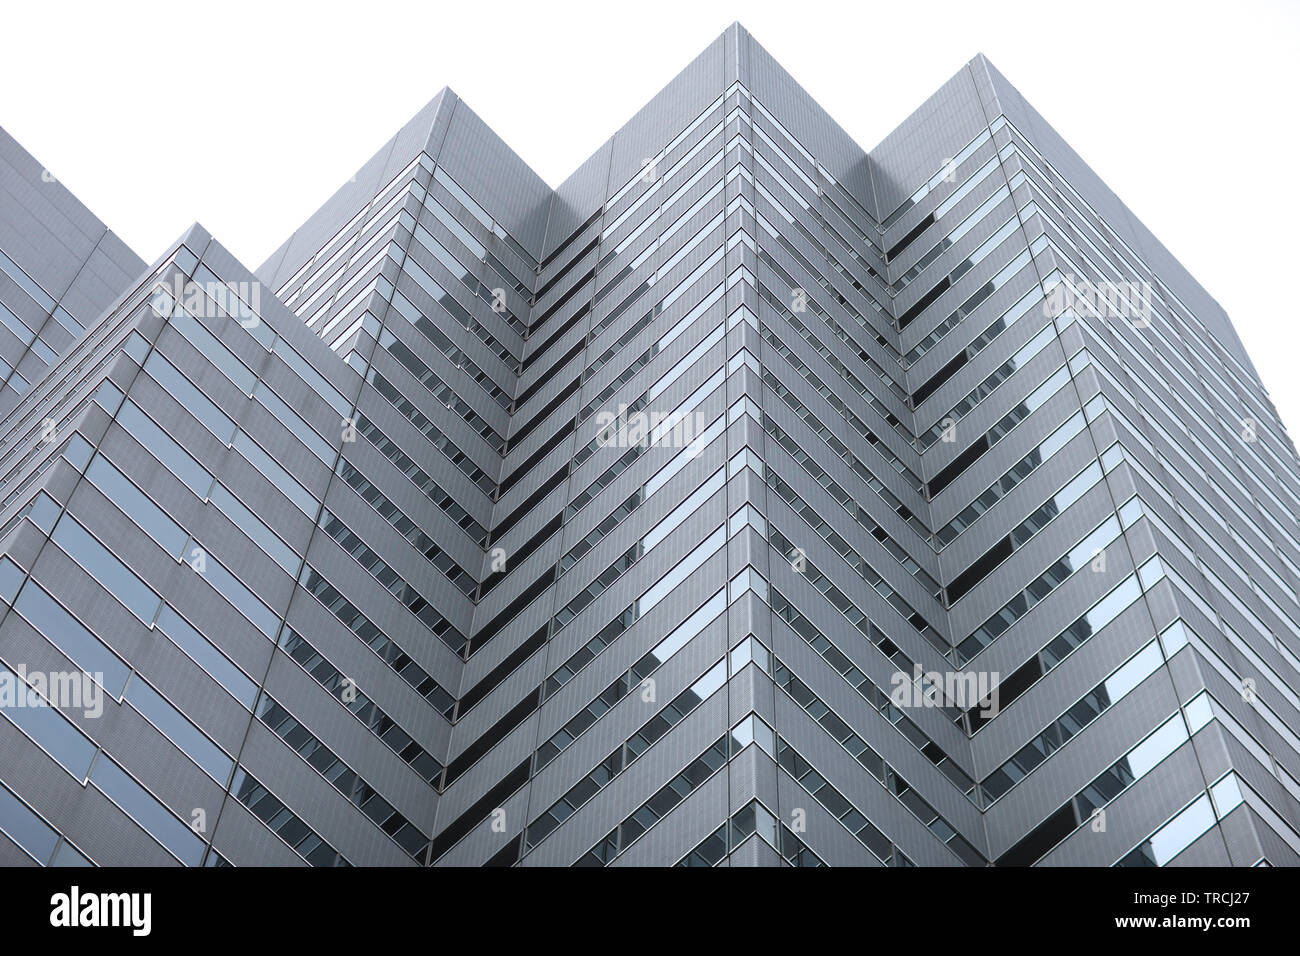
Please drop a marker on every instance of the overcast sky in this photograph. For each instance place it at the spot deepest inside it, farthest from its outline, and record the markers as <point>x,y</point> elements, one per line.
<point>246,116</point>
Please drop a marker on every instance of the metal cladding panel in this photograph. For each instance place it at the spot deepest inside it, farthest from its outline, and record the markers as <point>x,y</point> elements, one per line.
<point>920,146</point>
<point>825,835</point>
<point>241,836</point>
<point>1117,214</point>
<point>44,227</point>
<point>1212,847</point>
<point>686,825</point>
<point>320,805</point>
<point>811,125</point>
<point>490,171</point>
<point>669,113</point>
<point>1267,843</point>
<point>578,197</point>
<point>423,132</point>
<point>365,184</point>
<point>11,854</point>
<point>1132,815</point>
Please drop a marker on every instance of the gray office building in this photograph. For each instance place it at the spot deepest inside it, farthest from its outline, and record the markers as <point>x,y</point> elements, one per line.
<point>749,499</point>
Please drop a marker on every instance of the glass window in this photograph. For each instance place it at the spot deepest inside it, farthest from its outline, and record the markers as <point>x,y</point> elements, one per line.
<point>72,638</point>
<point>21,824</point>
<point>154,708</point>
<point>1227,795</point>
<point>52,731</point>
<point>746,581</point>
<point>294,422</point>
<point>213,350</point>
<point>1167,738</point>
<point>674,518</point>
<point>188,394</point>
<point>688,629</point>
<point>201,651</point>
<point>78,451</point>
<point>276,474</point>
<point>163,447</point>
<point>67,855</point>
<point>255,528</point>
<point>105,568</point>
<point>685,456</point>
<point>684,569</point>
<point>137,505</point>
<point>1180,832</point>
<point>145,809</point>
<point>11,578</point>
<point>232,589</point>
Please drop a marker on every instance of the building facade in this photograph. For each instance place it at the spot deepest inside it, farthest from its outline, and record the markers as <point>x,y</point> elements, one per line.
<point>748,499</point>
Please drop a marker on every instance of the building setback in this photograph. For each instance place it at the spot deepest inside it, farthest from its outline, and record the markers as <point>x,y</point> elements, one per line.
<point>749,499</point>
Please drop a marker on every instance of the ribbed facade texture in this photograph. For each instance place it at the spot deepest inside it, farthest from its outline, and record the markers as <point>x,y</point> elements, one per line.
<point>749,499</point>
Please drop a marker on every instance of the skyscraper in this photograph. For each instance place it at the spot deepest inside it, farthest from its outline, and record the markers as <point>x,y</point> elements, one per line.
<point>748,499</point>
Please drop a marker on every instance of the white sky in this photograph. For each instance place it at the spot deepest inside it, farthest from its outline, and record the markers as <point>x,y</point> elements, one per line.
<point>246,116</point>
